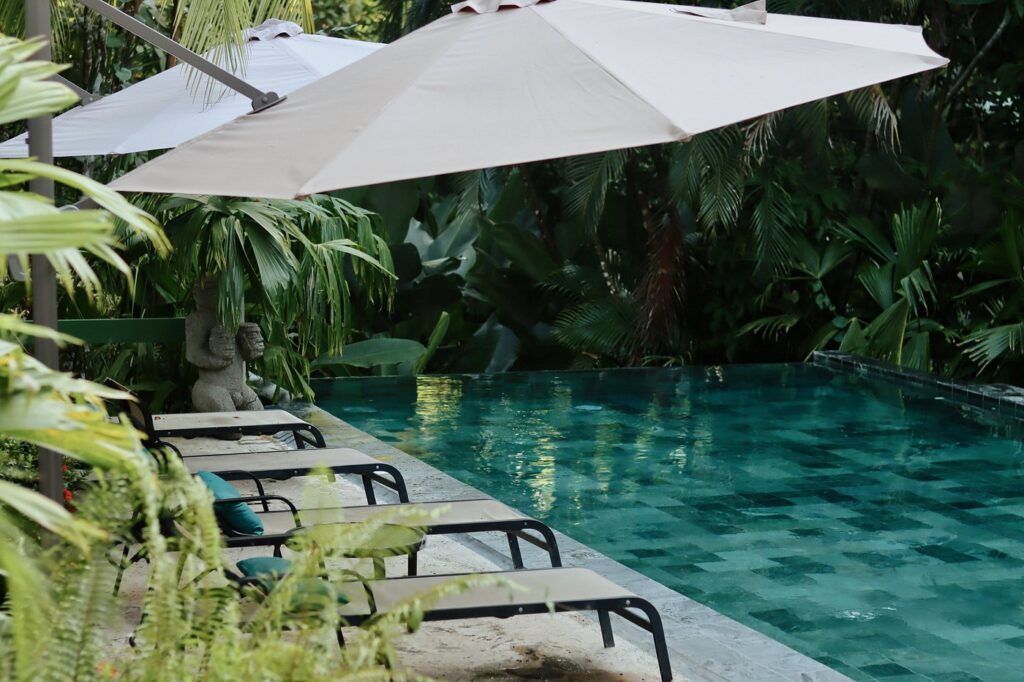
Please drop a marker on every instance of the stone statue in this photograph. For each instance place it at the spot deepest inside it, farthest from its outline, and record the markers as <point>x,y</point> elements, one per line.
<point>220,356</point>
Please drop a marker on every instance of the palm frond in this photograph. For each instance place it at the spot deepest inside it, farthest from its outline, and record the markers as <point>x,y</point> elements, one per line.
<point>708,173</point>
<point>772,326</point>
<point>872,108</point>
<point>994,344</point>
<point>760,133</point>
<point>597,326</point>
<point>773,222</point>
<point>589,178</point>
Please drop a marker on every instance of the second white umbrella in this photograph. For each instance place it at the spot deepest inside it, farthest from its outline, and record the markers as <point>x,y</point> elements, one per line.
<point>165,110</point>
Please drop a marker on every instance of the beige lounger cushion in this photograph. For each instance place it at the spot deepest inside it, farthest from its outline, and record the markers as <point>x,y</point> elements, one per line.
<point>275,460</point>
<point>458,512</point>
<point>542,586</point>
<point>207,420</point>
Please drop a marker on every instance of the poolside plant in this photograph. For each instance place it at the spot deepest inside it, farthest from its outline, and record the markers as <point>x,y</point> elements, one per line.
<point>294,267</point>
<point>58,615</point>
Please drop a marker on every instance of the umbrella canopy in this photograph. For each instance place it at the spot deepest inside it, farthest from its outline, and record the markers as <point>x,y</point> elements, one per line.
<point>165,110</point>
<point>482,88</point>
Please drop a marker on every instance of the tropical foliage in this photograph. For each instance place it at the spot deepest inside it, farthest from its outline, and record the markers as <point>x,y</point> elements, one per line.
<point>881,222</point>
<point>295,267</point>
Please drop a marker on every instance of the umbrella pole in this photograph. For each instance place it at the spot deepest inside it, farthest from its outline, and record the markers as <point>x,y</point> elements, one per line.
<point>44,278</point>
<point>260,99</point>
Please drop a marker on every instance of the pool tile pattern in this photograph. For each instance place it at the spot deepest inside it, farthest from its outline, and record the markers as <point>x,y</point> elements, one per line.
<point>878,528</point>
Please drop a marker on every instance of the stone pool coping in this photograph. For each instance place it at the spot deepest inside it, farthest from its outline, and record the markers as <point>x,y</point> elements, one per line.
<point>705,645</point>
<point>1005,399</point>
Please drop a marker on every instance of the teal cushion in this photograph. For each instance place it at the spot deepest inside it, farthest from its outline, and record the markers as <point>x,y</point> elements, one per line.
<point>310,593</point>
<point>236,517</point>
<point>268,566</point>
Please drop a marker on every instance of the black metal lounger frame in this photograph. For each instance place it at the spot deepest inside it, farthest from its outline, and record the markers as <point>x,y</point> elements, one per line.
<point>142,418</point>
<point>369,472</point>
<point>649,619</point>
<point>514,529</point>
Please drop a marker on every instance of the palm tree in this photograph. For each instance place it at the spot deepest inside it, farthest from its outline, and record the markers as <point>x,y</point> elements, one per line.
<point>293,264</point>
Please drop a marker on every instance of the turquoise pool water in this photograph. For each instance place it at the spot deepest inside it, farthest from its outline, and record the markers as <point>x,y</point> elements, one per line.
<point>877,528</point>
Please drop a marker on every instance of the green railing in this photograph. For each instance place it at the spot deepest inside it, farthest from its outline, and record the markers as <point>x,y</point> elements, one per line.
<point>126,330</point>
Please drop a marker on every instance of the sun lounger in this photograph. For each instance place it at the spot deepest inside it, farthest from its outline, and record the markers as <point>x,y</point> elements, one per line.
<point>289,463</point>
<point>460,516</point>
<point>564,589</point>
<point>215,424</point>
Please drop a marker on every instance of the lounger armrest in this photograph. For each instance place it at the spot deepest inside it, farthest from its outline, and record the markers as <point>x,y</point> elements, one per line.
<point>247,475</point>
<point>357,577</point>
<point>261,499</point>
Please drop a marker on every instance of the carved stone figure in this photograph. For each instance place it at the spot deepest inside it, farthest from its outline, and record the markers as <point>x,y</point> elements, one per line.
<point>220,356</point>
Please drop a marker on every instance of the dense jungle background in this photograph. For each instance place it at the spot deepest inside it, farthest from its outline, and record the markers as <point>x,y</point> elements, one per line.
<point>887,222</point>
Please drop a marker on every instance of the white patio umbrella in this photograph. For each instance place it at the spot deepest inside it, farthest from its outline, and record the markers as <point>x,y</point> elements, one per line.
<point>164,110</point>
<point>482,88</point>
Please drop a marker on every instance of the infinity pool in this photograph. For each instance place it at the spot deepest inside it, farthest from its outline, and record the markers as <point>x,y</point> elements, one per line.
<point>875,527</point>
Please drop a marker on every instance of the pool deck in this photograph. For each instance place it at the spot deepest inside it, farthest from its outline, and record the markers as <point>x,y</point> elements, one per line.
<point>705,645</point>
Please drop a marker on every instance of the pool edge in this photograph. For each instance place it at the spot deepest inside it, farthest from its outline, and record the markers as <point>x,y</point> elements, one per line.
<point>1004,399</point>
<point>705,645</point>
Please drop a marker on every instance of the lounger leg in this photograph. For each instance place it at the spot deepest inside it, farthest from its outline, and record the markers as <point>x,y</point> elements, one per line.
<point>341,639</point>
<point>606,628</point>
<point>301,440</point>
<point>514,550</point>
<point>414,563</point>
<point>553,553</point>
<point>658,632</point>
<point>122,566</point>
<point>403,493</point>
<point>371,498</point>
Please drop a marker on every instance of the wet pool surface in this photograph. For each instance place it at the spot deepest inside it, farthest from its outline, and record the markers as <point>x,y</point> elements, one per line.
<point>874,527</point>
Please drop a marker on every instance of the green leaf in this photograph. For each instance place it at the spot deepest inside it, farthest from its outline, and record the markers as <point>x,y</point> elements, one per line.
<point>376,352</point>
<point>886,333</point>
<point>524,249</point>
<point>917,352</point>
<point>877,281</point>
<point>48,514</point>
<point>854,340</point>
<point>435,340</point>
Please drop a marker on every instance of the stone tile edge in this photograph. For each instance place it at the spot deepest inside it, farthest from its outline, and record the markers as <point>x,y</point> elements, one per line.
<point>719,649</point>
<point>1002,398</point>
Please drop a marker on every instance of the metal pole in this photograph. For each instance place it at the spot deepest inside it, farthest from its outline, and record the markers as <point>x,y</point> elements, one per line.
<point>44,279</point>
<point>84,95</point>
<point>260,100</point>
